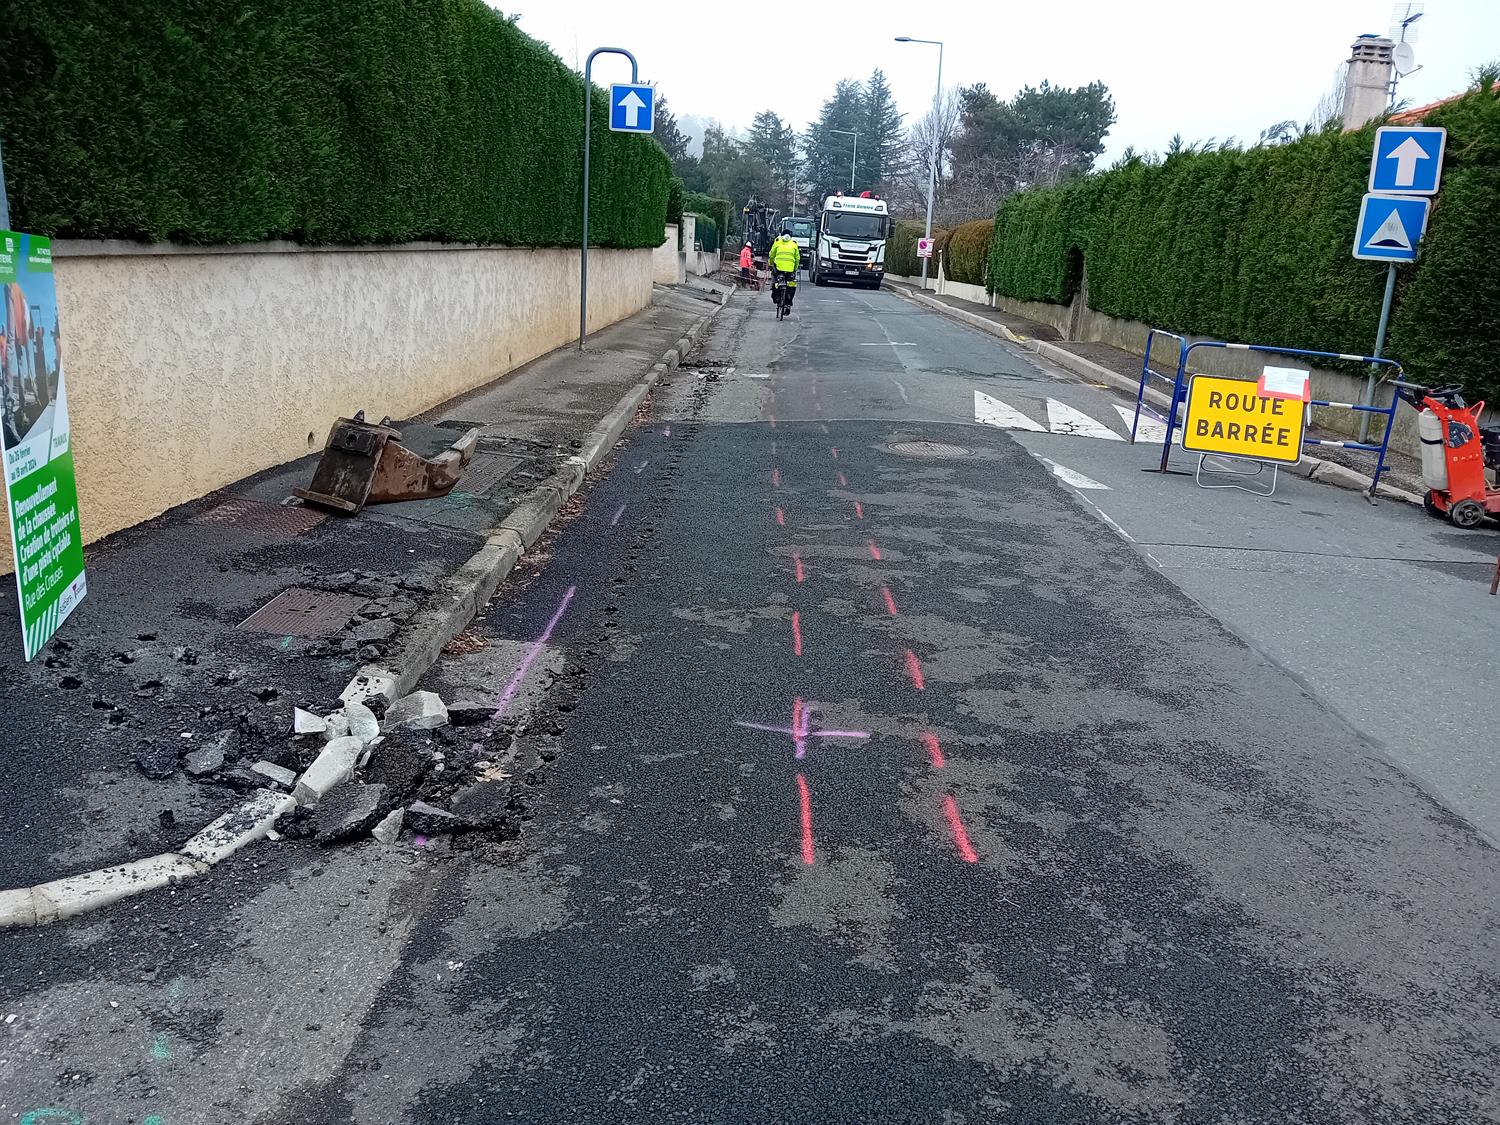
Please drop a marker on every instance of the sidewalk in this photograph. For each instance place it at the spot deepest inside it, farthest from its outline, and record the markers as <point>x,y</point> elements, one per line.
<point>160,659</point>
<point>1102,361</point>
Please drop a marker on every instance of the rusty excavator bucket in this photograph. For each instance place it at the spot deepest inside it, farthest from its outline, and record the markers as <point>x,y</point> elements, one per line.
<point>364,463</point>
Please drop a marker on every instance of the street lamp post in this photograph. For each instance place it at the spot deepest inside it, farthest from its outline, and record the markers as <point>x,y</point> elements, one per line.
<point>937,101</point>
<point>854,157</point>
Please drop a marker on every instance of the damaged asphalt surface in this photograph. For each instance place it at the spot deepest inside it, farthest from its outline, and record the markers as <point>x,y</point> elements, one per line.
<point>1076,852</point>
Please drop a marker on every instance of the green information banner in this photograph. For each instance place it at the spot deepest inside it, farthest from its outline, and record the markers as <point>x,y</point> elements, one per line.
<point>41,496</point>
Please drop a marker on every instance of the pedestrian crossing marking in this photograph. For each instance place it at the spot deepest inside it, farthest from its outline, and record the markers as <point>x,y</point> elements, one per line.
<point>1064,419</point>
<point>1073,476</point>
<point>992,412</point>
<point>1148,429</point>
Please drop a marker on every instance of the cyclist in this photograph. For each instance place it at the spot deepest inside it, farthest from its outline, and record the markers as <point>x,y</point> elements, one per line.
<point>785,256</point>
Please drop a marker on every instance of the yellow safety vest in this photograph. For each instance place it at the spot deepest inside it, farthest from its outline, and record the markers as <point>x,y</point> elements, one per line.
<point>785,255</point>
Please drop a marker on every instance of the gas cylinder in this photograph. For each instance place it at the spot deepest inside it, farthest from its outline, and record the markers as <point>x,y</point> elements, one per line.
<point>1434,455</point>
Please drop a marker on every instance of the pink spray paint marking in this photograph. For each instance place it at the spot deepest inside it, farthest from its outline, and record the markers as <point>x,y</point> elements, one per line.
<point>913,669</point>
<point>874,551</point>
<point>859,510</point>
<point>801,729</point>
<point>781,519</point>
<point>776,477</point>
<point>796,633</point>
<point>620,511</point>
<point>934,751</point>
<point>822,427</point>
<point>798,560</point>
<point>532,652</point>
<point>773,421</point>
<point>890,602</point>
<point>960,837</point>
<point>773,448</point>
<point>807,840</point>
<point>667,431</point>
<point>419,841</point>
<point>835,453</point>
<point>842,481</point>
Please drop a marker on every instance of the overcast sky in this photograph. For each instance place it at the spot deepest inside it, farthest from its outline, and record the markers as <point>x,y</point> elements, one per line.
<point>1202,68</point>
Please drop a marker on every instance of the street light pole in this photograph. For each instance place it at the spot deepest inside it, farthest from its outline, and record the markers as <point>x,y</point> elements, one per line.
<point>853,158</point>
<point>937,101</point>
<point>588,106</point>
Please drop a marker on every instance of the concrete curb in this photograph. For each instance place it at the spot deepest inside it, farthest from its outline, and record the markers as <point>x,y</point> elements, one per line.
<point>1309,468</point>
<point>461,597</point>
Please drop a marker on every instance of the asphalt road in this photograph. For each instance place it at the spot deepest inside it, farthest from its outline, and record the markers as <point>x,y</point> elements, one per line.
<point>864,782</point>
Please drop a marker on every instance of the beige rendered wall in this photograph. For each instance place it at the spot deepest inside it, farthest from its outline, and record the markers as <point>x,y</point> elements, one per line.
<point>189,368</point>
<point>666,260</point>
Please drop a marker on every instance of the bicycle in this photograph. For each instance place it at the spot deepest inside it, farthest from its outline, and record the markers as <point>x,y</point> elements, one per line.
<point>783,289</point>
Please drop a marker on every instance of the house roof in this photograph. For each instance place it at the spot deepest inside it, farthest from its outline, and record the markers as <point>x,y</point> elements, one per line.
<point>1415,115</point>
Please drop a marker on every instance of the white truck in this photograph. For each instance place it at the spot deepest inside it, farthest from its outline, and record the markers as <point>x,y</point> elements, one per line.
<point>803,231</point>
<point>852,230</point>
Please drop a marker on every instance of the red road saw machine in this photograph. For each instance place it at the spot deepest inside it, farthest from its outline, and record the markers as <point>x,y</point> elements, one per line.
<point>1456,451</point>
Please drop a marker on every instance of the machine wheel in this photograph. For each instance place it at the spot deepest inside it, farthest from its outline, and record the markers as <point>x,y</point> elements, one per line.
<point>818,281</point>
<point>1431,505</point>
<point>1466,513</point>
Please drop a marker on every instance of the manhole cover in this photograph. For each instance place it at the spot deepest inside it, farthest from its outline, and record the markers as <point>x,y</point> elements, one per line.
<point>270,518</point>
<point>931,450</point>
<point>303,613</point>
<point>484,472</point>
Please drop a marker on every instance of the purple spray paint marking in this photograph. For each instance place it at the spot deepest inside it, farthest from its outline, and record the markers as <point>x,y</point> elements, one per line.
<point>667,431</point>
<point>620,511</point>
<point>531,654</point>
<point>799,731</point>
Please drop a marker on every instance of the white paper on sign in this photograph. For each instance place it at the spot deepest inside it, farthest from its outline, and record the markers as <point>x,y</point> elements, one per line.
<point>1283,382</point>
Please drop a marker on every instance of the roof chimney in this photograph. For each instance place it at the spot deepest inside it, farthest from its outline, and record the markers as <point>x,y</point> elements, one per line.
<point>1367,87</point>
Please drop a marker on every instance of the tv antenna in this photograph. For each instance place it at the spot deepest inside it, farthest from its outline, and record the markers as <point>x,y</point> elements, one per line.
<point>1404,31</point>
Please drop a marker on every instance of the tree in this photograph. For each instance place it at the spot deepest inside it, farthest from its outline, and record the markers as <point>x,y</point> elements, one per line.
<point>1044,135</point>
<point>907,185</point>
<point>828,146</point>
<point>880,149</point>
<point>775,143</point>
<point>676,145</point>
<point>733,173</point>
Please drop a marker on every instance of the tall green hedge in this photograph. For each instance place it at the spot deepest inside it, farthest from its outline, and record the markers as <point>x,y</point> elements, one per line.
<point>707,233</point>
<point>700,203</point>
<point>969,251</point>
<point>358,121</point>
<point>1255,247</point>
<point>901,250</point>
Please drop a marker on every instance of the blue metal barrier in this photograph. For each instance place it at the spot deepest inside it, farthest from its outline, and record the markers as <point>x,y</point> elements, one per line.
<point>1179,395</point>
<point>1147,373</point>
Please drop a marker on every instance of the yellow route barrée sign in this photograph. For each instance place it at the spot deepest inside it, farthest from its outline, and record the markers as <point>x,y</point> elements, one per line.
<point>1229,416</point>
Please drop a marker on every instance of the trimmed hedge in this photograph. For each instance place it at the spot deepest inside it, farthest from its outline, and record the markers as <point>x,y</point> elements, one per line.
<point>353,121</point>
<point>901,251</point>
<point>707,206</point>
<point>968,253</point>
<point>675,192</point>
<point>708,233</point>
<point>1255,247</point>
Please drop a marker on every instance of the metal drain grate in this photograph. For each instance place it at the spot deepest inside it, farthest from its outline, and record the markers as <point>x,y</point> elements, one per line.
<point>303,613</point>
<point>484,472</point>
<point>929,450</point>
<point>270,518</point>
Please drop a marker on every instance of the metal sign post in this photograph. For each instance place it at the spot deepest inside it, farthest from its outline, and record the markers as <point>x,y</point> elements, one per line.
<point>588,105</point>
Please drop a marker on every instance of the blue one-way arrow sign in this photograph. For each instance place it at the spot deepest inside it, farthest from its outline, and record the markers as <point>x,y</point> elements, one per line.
<point>1390,226</point>
<point>632,107</point>
<point>1407,160</point>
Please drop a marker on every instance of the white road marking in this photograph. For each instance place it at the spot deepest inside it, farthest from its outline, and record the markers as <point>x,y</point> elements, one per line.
<point>889,344</point>
<point>992,412</point>
<point>1072,476</point>
<point>1063,419</point>
<point>747,375</point>
<point>1149,429</point>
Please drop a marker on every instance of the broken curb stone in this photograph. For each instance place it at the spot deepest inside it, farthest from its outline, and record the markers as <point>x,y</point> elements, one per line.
<point>305,722</point>
<point>332,766</point>
<point>156,759</point>
<point>335,726</point>
<point>362,722</point>
<point>279,774</point>
<point>349,810</point>
<point>388,830</point>
<point>421,710</point>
